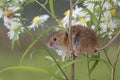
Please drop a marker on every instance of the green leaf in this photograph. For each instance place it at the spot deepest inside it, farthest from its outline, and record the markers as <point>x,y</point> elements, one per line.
<point>29,2</point>
<point>104,61</point>
<point>33,69</point>
<point>94,66</point>
<point>95,63</point>
<point>12,44</point>
<point>49,58</point>
<point>93,17</point>
<point>69,64</point>
<point>117,17</point>
<point>52,8</point>
<point>45,3</point>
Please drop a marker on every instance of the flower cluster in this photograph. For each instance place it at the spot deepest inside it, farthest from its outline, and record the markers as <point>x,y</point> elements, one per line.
<point>79,17</point>
<point>103,10</point>
<point>11,18</point>
<point>10,12</point>
<point>38,21</point>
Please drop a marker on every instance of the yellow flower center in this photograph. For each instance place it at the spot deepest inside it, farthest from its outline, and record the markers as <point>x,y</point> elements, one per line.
<point>36,19</point>
<point>82,20</point>
<point>9,13</point>
<point>61,21</point>
<point>14,27</point>
<point>108,19</point>
<point>113,11</point>
<point>67,13</point>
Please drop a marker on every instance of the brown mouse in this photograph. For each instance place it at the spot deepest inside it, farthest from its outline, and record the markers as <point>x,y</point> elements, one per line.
<point>84,40</point>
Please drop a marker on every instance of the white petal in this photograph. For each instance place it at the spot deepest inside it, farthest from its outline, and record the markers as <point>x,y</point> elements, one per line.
<point>1,13</point>
<point>107,5</point>
<point>44,18</point>
<point>118,3</point>
<point>14,8</point>
<point>32,26</point>
<point>11,34</point>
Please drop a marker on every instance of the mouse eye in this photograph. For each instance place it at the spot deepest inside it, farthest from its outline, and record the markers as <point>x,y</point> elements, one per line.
<point>73,30</point>
<point>54,39</point>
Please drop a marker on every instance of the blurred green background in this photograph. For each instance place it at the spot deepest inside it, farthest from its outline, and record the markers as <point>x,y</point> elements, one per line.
<point>10,57</point>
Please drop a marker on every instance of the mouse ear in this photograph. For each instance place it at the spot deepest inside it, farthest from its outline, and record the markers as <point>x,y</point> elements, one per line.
<point>64,35</point>
<point>64,32</point>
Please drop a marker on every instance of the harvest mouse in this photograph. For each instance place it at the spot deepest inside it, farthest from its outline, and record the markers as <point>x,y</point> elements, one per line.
<point>84,40</point>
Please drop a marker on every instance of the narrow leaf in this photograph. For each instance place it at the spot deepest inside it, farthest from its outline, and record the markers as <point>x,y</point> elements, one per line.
<point>52,8</point>
<point>32,69</point>
<point>93,17</point>
<point>94,66</point>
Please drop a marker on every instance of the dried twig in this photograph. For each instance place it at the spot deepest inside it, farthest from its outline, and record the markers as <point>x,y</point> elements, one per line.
<point>106,45</point>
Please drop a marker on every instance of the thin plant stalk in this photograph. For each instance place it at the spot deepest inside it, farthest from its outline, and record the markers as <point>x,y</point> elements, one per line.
<point>46,9</point>
<point>70,41</point>
<point>114,65</point>
<point>106,55</point>
<point>88,67</point>
<point>66,78</point>
<point>73,67</point>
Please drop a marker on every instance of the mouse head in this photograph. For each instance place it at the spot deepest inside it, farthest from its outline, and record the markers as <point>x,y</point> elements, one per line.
<point>56,40</point>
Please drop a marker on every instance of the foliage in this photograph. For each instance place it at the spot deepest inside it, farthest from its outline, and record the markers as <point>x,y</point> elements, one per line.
<point>100,15</point>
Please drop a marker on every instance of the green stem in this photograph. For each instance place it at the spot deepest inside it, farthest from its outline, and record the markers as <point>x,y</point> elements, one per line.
<point>66,78</point>
<point>88,66</point>
<point>114,65</point>
<point>107,57</point>
<point>46,10</point>
<point>27,50</point>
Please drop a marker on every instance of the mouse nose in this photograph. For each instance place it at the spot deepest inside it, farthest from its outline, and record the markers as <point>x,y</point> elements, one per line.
<point>50,44</point>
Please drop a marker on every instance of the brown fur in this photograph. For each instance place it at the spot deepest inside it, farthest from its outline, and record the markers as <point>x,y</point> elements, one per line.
<point>84,40</point>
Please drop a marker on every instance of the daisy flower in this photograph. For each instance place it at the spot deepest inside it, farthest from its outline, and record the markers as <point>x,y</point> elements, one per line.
<point>1,13</point>
<point>17,1</point>
<point>12,11</point>
<point>107,5</point>
<point>119,3</point>
<point>108,27</point>
<point>79,17</point>
<point>38,21</point>
<point>15,30</point>
<point>65,21</point>
<point>89,5</point>
<point>10,15</point>
<point>113,11</point>
<point>77,11</point>
<point>8,22</point>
